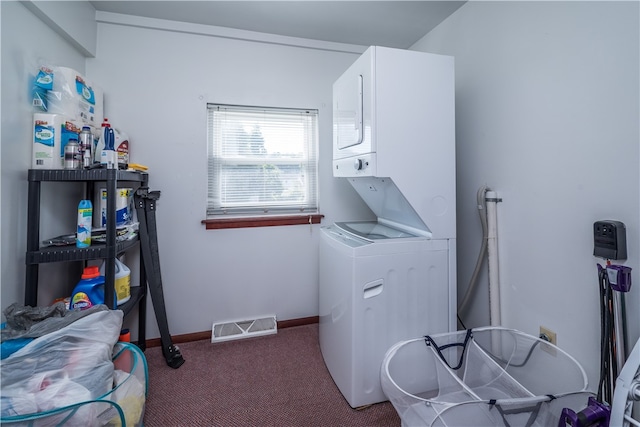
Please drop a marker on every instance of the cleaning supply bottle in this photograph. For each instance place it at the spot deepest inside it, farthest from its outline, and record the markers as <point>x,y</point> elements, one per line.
<point>85,218</point>
<point>86,146</point>
<point>98,144</point>
<point>122,148</point>
<point>108,155</point>
<point>89,291</point>
<point>122,283</point>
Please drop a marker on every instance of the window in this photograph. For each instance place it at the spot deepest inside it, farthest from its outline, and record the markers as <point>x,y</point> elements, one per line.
<point>262,161</point>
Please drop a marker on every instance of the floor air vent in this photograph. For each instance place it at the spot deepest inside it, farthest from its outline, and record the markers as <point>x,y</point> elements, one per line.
<point>226,331</point>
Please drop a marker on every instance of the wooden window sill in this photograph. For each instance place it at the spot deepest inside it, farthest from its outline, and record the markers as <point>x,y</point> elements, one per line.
<point>218,223</point>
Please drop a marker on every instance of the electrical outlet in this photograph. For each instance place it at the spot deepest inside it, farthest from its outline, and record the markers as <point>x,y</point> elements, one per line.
<point>548,335</point>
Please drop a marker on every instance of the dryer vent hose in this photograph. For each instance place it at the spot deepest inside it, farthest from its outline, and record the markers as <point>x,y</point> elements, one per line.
<point>482,212</point>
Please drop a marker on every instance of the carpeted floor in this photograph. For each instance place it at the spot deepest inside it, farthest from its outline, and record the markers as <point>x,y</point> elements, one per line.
<point>277,380</point>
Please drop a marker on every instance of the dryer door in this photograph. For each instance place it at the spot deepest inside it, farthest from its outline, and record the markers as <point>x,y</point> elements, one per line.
<point>348,112</point>
<point>352,108</point>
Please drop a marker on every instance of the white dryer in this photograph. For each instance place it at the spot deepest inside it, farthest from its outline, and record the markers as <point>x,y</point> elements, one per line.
<point>379,285</point>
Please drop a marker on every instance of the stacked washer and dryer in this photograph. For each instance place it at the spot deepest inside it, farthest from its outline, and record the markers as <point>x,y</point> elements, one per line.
<point>392,279</point>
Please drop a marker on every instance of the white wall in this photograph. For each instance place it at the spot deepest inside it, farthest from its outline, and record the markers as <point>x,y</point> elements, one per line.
<point>27,43</point>
<point>73,20</point>
<point>157,83</point>
<point>547,115</point>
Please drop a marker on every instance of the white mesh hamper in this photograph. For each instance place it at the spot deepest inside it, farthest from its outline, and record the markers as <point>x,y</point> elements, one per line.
<point>482,377</point>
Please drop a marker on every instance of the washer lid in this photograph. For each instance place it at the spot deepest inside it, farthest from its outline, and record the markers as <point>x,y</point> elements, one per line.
<point>373,231</point>
<point>388,203</point>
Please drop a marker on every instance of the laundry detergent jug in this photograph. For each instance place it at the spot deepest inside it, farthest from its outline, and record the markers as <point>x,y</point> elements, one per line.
<point>122,284</point>
<point>89,291</point>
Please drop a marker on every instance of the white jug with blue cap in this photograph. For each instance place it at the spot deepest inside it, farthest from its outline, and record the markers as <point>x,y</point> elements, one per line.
<point>108,155</point>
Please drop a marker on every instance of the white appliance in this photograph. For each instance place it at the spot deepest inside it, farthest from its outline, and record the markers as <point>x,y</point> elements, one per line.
<point>392,279</point>
<point>393,117</point>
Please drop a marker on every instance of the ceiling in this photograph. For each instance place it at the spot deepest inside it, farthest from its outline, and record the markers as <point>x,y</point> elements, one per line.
<point>383,23</point>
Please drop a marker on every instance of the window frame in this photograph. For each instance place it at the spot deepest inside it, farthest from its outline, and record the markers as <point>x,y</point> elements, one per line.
<point>260,215</point>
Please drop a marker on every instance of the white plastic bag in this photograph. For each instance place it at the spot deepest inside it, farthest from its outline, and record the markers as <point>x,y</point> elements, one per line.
<point>67,366</point>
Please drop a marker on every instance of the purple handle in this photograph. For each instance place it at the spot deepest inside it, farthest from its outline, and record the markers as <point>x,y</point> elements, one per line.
<point>596,414</point>
<point>619,277</point>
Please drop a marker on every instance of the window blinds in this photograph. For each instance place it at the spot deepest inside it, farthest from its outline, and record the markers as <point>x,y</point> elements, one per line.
<point>261,160</point>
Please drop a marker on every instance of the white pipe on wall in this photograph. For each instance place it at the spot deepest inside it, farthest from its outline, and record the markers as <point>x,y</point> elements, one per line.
<point>491,199</point>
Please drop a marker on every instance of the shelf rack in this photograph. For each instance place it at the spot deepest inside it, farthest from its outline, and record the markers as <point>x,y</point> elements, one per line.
<point>108,251</point>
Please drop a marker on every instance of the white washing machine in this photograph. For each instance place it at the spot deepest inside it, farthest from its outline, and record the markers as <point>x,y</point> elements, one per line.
<point>378,285</point>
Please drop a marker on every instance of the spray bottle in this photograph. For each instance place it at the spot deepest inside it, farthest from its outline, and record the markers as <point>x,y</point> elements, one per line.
<point>108,155</point>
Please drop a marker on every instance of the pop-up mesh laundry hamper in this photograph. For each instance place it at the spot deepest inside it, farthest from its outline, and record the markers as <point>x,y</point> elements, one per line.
<point>122,406</point>
<point>482,377</point>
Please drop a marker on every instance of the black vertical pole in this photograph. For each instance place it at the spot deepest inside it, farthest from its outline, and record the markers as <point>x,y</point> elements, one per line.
<point>33,241</point>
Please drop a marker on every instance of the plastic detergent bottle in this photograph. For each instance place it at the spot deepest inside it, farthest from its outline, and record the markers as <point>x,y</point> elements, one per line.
<point>122,147</point>
<point>85,217</point>
<point>122,284</point>
<point>89,291</point>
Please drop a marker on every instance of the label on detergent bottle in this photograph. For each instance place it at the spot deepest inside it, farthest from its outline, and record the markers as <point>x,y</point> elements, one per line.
<point>123,152</point>
<point>123,289</point>
<point>80,301</point>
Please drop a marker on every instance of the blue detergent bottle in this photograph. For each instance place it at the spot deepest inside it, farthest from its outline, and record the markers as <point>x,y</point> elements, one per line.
<point>89,291</point>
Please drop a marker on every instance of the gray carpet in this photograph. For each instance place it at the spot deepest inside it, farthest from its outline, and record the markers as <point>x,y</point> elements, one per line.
<point>276,380</point>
